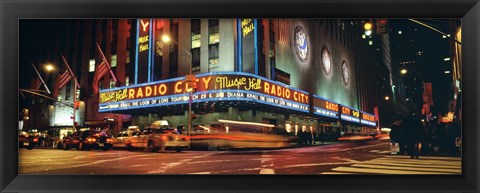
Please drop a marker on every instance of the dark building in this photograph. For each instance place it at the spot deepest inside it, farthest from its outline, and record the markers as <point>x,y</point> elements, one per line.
<point>421,65</point>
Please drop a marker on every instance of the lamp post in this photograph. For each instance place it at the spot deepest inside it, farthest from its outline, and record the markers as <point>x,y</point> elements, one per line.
<point>188,80</point>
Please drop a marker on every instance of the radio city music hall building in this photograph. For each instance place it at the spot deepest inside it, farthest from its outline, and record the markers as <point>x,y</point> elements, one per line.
<point>308,74</point>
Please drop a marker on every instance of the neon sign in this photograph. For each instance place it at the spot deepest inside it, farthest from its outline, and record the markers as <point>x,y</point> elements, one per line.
<point>247,26</point>
<point>144,25</point>
<point>368,119</point>
<point>349,114</point>
<point>143,42</point>
<point>143,51</point>
<point>224,86</point>
<point>325,107</point>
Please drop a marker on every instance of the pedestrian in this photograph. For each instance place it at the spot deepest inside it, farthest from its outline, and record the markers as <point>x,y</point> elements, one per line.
<point>301,137</point>
<point>322,136</point>
<point>395,137</point>
<point>413,131</point>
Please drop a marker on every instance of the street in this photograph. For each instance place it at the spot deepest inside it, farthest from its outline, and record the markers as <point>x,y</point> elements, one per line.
<point>343,158</point>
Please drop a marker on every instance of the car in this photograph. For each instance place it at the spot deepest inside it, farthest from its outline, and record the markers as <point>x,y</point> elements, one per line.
<point>119,139</point>
<point>27,140</point>
<point>154,139</point>
<point>86,140</point>
<point>167,138</point>
<point>137,139</point>
<point>158,124</point>
<point>355,138</point>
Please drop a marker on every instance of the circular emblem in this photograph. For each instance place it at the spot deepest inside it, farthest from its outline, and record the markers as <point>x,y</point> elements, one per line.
<point>345,73</point>
<point>301,43</point>
<point>326,61</point>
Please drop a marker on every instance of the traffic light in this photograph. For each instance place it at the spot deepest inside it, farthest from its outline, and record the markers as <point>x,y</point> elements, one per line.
<point>76,105</point>
<point>382,26</point>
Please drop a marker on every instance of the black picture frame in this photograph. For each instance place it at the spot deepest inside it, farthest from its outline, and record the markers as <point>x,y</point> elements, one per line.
<point>12,11</point>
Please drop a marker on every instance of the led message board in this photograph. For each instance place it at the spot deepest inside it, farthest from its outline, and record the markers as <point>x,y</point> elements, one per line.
<point>324,107</point>
<point>349,114</point>
<point>210,87</point>
<point>367,119</point>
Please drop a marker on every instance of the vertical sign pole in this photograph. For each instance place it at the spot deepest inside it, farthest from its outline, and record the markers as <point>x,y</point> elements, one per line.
<point>74,103</point>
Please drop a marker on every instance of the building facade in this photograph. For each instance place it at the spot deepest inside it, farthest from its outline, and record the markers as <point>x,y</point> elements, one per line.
<point>315,75</point>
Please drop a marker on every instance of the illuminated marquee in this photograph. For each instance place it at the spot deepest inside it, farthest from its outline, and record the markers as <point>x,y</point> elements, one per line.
<point>349,114</point>
<point>209,87</point>
<point>325,107</point>
<point>368,119</point>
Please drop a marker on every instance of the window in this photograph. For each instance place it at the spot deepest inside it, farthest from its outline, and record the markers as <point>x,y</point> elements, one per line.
<point>112,83</point>
<point>113,62</point>
<point>67,91</point>
<point>128,57</point>
<point>213,43</point>
<point>196,42</point>
<point>91,65</point>
<point>127,80</point>
<point>196,35</point>
<point>100,84</point>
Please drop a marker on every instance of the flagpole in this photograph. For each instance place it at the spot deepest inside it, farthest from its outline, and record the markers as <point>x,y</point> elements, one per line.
<point>70,71</point>
<point>108,65</point>
<point>43,82</point>
<point>74,103</point>
<point>75,83</point>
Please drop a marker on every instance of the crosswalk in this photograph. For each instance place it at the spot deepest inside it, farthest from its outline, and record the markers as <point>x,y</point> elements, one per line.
<point>400,164</point>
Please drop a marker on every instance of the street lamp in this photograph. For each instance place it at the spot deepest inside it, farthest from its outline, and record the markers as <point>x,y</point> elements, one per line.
<point>188,79</point>
<point>387,98</point>
<point>49,67</point>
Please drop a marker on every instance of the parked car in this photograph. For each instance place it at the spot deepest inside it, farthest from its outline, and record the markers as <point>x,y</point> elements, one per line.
<point>86,140</point>
<point>119,139</point>
<point>26,140</point>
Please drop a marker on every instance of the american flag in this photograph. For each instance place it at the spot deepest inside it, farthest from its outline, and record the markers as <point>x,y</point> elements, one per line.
<point>101,70</point>
<point>37,83</point>
<point>63,79</point>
